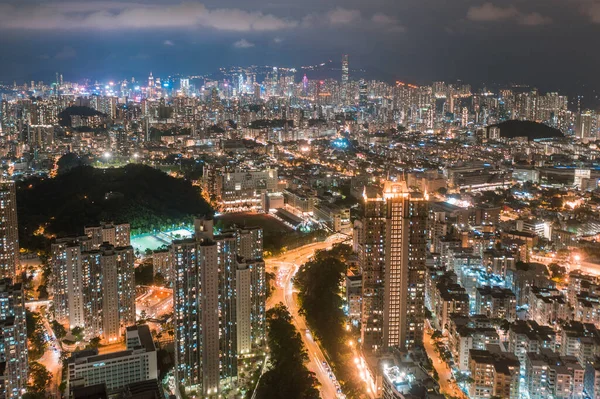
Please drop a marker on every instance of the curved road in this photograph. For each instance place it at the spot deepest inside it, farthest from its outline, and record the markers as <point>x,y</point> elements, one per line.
<point>287,265</point>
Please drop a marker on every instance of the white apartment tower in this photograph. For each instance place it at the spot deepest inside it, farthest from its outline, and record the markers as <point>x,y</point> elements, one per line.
<point>218,295</point>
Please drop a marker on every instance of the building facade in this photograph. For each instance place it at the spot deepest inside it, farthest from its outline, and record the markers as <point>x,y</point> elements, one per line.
<point>219,297</point>
<point>13,340</point>
<point>9,231</point>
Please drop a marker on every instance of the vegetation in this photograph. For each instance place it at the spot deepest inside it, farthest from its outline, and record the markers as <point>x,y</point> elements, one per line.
<point>40,378</point>
<point>319,282</point>
<point>64,118</point>
<point>148,199</point>
<point>59,330</point>
<point>270,279</point>
<point>558,272</point>
<point>35,335</point>
<point>144,274</point>
<point>288,377</point>
<point>529,129</point>
<point>77,332</point>
<point>71,160</point>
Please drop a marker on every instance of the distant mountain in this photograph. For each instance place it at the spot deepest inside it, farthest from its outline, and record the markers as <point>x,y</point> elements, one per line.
<point>531,130</point>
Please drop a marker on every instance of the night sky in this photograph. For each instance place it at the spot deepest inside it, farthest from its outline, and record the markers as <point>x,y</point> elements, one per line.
<point>548,43</point>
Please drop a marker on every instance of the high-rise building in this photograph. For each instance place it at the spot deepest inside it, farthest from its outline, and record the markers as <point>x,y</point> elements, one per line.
<point>219,300</point>
<point>94,289</point>
<point>584,127</point>
<point>117,235</point>
<point>344,79</point>
<point>9,231</point>
<point>362,93</point>
<point>13,340</point>
<point>392,256</point>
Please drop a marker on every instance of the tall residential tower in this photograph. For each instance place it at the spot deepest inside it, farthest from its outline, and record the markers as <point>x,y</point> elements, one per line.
<point>13,340</point>
<point>392,253</point>
<point>219,299</point>
<point>9,231</point>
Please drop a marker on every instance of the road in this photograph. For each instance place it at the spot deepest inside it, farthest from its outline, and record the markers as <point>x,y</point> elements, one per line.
<point>51,358</point>
<point>586,267</point>
<point>287,265</point>
<point>443,371</point>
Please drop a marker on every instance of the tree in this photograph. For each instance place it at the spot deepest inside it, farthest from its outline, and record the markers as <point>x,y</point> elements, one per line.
<point>144,274</point>
<point>40,378</point>
<point>288,377</point>
<point>69,161</point>
<point>42,292</point>
<point>77,332</point>
<point>557,272</point>
<point>35,335</point>
<point>159,280</point>
<point>59,330</point>
<point>94,343</point>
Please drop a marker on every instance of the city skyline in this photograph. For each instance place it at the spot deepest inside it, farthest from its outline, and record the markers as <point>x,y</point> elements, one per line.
<point>480,41</point>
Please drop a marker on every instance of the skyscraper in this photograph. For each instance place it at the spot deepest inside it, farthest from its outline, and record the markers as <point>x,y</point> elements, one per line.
<point>392,255</point>
<point>94,289</point>
<point>13,340</point>
<point>9,231</point>
<point>362,93</point>
<point>345,79</point>
<point>217,295</point>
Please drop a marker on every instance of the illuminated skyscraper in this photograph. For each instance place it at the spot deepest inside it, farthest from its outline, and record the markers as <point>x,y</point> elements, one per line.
<point>392,255</point>
<point>362,93</point>
<point>13,340</point>
<point>9,231</point>
<point>219,300</point>
<point>94,289</point>
<point>345,79</point>
<point>584,126</point>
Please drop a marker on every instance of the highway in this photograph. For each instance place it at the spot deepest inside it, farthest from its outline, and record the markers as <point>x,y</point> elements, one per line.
<point>285,267</point>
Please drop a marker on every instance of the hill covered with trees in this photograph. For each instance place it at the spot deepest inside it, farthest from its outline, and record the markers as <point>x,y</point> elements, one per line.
<point>529,129</point>
<point>64,117</point>
<point>140,195</point>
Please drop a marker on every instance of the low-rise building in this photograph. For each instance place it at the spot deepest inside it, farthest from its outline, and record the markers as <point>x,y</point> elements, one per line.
<point>494,373</point>
<point>116,369</point>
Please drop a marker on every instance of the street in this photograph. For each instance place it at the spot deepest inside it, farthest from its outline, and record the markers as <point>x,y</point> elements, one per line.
<point>444,373</point>
<point>51,357</point>
<point>287,265</point>
<point>586,267</point>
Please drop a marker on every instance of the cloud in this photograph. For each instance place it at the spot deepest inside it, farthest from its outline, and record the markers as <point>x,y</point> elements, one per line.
<point>488,12</point>
<point>243,43</point>
<point>388,22</point>
<point>66,53</point>
<point>343,16</point>
<point>278,40</point>
<point>534,19</point>
<point>592,10</point>
<point>168,43</point>
<point>118,15</point>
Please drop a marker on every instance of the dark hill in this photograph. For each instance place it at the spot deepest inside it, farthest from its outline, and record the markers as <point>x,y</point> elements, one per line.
<point>143,196</point>
<point>64,117</point>
<point>531,130</point>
